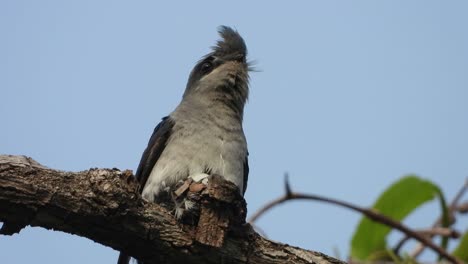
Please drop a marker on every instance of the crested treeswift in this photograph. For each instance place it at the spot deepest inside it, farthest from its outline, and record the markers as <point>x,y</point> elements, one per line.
<point>204,134</point>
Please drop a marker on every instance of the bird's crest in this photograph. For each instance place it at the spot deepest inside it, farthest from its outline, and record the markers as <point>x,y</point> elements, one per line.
<point>230,44</point>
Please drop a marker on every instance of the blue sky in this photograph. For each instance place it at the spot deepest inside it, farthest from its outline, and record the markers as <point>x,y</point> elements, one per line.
<point>350,96</point>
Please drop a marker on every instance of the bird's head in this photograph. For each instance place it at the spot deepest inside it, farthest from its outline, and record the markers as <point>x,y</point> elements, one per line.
<point>222,75</point>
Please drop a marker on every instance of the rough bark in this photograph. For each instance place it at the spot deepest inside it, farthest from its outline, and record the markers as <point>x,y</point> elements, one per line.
<point>104,205</point>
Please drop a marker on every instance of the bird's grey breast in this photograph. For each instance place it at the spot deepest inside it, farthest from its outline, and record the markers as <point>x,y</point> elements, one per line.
<point>204,139</point>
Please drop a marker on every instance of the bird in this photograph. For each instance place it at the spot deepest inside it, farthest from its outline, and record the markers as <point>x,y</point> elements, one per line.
<point>204,134</point>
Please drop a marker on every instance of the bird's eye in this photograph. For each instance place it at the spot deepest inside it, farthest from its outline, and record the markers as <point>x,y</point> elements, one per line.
<point>206,66</point>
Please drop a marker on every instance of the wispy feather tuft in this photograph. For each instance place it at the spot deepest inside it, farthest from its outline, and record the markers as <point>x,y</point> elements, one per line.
<point>231,43</point>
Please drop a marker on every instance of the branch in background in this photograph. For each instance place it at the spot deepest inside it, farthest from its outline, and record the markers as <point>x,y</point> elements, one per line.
<point>435,231</point>
<point>104,205</point>
<point>452,209</point>
<point>290,195</point>
<point>463,208</point>
<point>440,231</point>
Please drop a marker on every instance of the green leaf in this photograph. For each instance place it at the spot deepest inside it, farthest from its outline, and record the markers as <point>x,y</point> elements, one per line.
<point>398,201</point>
<point>461,251</point>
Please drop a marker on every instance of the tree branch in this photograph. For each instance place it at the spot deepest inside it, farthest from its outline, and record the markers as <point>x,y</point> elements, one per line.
<point>371,214</point>
<point>452,210</point>
<point>104,205</point>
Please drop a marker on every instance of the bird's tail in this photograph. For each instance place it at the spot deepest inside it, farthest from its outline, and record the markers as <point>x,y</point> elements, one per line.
<point>123,259</point>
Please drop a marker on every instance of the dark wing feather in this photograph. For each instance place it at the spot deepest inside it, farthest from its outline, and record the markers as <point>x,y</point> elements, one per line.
<point>123,259</point>
<point>155,147</point>
<point>246,172</point>
<point>153,151</point>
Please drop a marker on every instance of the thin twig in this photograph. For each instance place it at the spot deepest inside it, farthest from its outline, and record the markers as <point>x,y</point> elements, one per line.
<point>434,231</point>
<point>440,231</point>
<point>459,195</point>
<point>462,208</point>
<point>373,215</point>
<point>451,209</point>
<point>260,231</point>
